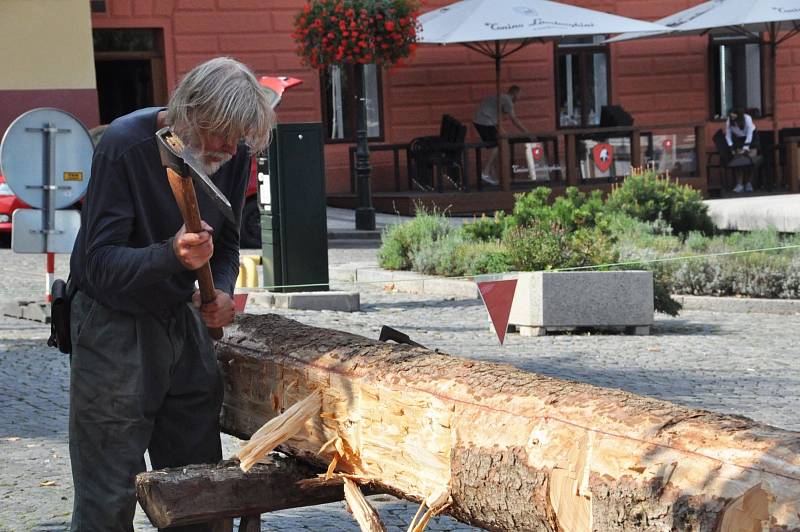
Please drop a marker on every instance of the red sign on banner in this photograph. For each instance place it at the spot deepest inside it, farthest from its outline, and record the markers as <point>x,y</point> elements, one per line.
<point>603,155</point>
<point>497,297</point>
<point>538,152</point>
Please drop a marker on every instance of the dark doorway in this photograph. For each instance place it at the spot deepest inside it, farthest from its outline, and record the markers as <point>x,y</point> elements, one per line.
<point>122,87</point>
<point>129,70</point>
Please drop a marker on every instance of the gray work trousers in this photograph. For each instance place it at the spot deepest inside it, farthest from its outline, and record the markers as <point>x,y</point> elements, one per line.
<point>136,383</point>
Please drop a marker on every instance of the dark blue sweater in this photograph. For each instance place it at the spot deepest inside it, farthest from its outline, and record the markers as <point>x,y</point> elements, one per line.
<point>123,255</point>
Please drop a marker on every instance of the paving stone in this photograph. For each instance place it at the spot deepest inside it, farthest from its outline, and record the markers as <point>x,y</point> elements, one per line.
<point>743,364</point>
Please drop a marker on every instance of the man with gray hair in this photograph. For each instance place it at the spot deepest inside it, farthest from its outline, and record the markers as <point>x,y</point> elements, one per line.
<point>143,373</point>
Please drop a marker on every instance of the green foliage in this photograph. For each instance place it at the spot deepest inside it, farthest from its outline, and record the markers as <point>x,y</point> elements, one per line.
<point>645,220</point>
<point>573,210</point>
<point>648,197</point>
<point>549,247</point>
<point>401,241</point>
<point>485,229</point>
<point>456,256</point>
<point>771,274</point>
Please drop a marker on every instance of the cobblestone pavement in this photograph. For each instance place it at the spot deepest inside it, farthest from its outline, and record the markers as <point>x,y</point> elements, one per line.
<point>743,364</point>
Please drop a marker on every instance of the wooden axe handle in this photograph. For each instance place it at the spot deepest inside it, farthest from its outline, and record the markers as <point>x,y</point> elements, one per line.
<point>183,189</point>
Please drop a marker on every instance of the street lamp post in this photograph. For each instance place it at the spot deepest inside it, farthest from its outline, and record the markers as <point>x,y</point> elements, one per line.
<point>365,213</point>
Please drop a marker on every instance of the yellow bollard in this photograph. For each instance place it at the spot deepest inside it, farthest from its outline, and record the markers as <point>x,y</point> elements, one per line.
<point>248,271</point>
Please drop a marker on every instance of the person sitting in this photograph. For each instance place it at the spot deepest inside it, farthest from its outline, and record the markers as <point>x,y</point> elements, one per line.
<point>739,134</point>
<point>486,123</point>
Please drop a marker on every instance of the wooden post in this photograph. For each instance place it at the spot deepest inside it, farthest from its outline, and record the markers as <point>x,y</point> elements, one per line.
<point>636,149</point>
<point>701,154</point>
<point>573,178</point>
<point>250,523</point>
<point>793,163</point>
<point>508,449</point>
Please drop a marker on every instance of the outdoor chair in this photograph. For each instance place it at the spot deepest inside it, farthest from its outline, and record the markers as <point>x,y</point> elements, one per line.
<point>727,162</point>
<point>435,158</point>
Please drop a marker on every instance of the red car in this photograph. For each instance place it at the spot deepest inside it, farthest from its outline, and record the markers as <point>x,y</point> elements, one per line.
<point>8,204</point>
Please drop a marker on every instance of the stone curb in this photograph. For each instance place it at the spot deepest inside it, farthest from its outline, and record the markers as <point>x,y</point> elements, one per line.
<point>744,305</point>
<point>336,300</point>
<point>416,283</point>
<point>404,281</point>
<point>25,310</point>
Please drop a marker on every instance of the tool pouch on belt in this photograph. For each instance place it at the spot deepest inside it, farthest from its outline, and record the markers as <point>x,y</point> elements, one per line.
<point>62,293</point>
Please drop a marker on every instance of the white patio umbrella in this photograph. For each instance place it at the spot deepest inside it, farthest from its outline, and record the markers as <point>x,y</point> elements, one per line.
<point>498,28</point>
<point>780,19</point>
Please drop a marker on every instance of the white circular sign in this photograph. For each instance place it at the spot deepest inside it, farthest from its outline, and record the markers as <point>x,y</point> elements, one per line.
<point>25,151</point>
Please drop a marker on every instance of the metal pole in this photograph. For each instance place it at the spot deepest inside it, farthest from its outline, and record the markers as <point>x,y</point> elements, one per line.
<point>502,140</point>
<point>365,213</point>
<point>49,276</point>
<point>773,47</point>
<point>49,183</point>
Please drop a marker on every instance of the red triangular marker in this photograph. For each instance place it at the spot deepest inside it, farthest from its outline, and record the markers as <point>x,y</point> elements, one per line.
<point>498,297</point>
<point>239,302</point>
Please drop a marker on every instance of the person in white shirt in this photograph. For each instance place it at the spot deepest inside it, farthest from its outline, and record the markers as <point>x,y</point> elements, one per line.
<point>739,133</point>
<point>485,123</point>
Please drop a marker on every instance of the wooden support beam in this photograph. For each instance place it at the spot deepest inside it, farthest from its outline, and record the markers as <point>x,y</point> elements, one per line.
<point>793,164</point>
<point>573,177</point>
<point>202,493</point>
<point>636,149</point>
<point>701,155</point>
<point>513,450</point>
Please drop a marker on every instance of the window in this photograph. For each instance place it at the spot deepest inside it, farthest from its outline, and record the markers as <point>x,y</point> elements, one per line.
<point>582,81</point>
<point>737,74</point>
<point>340,99</point>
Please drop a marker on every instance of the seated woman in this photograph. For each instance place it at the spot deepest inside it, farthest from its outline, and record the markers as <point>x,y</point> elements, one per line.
<point>739,134</point>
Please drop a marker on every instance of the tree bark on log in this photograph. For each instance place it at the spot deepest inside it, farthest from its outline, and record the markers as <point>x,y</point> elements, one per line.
<point>515,450</point>
<point>202,493</point>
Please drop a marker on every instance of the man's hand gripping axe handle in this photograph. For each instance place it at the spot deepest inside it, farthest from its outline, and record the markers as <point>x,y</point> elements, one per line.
<point>182,170</point>
<point>183,189</point>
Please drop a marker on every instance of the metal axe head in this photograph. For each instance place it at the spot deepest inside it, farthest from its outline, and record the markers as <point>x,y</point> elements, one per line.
<point>177,156</point>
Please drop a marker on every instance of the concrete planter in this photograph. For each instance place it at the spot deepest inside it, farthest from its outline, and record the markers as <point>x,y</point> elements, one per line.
<point>566,300</point>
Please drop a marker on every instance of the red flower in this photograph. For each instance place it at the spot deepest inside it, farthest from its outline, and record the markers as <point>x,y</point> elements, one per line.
<point>355,31</point>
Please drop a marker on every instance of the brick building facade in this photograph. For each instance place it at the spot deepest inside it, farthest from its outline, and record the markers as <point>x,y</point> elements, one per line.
<point>657,81</point>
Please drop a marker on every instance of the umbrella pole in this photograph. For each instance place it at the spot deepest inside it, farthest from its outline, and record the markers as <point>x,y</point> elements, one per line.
<point>773,48</point>
<point>503,148</point>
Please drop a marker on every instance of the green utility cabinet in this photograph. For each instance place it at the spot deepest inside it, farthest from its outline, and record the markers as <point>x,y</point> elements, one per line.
<point>294,232</point>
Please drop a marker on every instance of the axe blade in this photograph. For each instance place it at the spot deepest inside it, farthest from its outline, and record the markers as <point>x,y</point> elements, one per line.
<point>184,162</point>
<point>208,186</point>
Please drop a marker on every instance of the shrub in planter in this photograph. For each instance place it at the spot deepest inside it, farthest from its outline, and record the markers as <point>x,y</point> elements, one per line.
<point>646,196</point>
<point>552,246</point>
<point>486,229</point>
<point>400,241</point>
<point>572,210</point>
<point>456,255</point>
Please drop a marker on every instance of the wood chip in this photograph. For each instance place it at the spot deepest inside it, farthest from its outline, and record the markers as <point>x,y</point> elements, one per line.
<point>364,514</point>
<point>279,429</point>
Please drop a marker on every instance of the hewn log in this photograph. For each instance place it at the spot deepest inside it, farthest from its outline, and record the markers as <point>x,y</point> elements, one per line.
<point>200,493</point>
<point>516,450</point>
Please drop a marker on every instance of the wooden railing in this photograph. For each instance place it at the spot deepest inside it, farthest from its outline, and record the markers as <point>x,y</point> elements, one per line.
<point>554,141</point>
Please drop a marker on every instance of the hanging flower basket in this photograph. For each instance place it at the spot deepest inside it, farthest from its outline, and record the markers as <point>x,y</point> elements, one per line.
<point>334,32</point>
